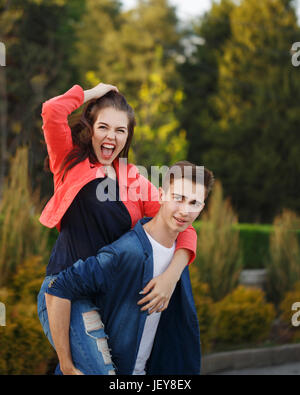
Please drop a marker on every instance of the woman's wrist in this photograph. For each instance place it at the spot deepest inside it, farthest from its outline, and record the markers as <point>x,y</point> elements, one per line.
<point>88,95</point>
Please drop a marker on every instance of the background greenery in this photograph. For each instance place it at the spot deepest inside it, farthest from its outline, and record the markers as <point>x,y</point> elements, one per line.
<point>219,90</point>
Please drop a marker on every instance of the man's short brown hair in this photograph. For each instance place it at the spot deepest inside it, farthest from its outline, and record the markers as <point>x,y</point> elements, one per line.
<point>185,169</point>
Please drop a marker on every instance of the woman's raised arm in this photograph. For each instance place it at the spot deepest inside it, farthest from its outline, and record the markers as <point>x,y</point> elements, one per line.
<point>57,132</point>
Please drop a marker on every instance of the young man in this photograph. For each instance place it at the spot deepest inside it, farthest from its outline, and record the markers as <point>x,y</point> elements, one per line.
<point>141,343</point>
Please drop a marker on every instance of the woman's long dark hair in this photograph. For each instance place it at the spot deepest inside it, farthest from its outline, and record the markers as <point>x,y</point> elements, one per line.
<point>82,130</point>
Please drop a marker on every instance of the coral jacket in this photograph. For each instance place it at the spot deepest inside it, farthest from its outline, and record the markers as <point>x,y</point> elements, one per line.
<point>139,196</point>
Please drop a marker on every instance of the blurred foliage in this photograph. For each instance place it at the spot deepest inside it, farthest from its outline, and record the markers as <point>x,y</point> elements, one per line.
<point>24,348</point>
<point>21,235</point>
<point>218,250</point>
<point>39,40</point>
<point>204,307</point>
<point>24,251</point>
<point>157,126</point>
<point>284,264</point>
<point>219,91</point>
<point>120,47</point>
<point>241,80</point>
<point>228,91</point>
<point>291,297</point>
<point>243,317</point>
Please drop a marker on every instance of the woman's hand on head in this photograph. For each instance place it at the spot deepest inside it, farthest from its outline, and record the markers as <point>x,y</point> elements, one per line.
<point>98,91</point>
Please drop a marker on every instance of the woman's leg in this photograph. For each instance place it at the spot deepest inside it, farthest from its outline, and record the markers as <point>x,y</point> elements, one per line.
<point>88,341</point>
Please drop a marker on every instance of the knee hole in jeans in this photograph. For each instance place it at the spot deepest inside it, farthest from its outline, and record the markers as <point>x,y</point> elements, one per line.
<point>92,322</point>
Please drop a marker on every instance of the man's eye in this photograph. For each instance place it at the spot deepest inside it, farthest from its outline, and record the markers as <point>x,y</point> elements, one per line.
<point>178,198</point>
<point>198,204</point>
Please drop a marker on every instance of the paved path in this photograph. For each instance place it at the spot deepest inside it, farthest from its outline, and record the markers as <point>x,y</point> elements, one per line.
<point>286,369</point>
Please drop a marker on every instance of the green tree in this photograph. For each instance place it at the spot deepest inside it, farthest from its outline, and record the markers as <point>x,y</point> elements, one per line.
<point>99,20</point>
<point>157,125</point>
<point>39,38</point>
<point>256,140</point>
<point>123,50</point>
<point>199,72</point>
<point>136,51</point>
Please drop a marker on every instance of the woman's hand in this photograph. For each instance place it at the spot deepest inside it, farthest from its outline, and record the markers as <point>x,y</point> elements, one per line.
<point>98,91</point>
<point>161,288</point>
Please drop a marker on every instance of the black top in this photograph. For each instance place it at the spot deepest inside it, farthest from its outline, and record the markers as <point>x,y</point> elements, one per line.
<point>89,224</point>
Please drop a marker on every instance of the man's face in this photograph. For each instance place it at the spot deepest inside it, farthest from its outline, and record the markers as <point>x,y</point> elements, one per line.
<point>181,203</point>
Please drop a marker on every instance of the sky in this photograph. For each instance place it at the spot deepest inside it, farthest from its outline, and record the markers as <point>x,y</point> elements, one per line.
<point>185,8</point>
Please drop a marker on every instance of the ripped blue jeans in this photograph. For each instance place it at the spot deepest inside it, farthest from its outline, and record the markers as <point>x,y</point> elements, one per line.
<point>88,341</point>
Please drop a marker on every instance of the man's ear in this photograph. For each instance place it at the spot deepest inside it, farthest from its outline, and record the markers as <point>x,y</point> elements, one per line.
<point>161,195</point>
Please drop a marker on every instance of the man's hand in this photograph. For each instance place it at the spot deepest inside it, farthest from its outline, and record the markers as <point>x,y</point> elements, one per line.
<point>70,370</point>
<point>161,288</point>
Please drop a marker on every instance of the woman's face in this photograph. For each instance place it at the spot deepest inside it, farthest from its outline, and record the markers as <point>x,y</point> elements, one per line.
<point>110,134</point>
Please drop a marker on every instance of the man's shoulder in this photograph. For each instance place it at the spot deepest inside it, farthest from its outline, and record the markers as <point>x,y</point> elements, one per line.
<point>129,243</point>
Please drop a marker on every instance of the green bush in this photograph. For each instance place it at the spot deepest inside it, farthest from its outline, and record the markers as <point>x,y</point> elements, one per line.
<point>283,268</point>
<point>254,243</point>
<point>21,235</point>
<point>24,348</point>
<point>204,307</point>
<point>218,253</point>
<point>285,307</point>
<point>243,317</point>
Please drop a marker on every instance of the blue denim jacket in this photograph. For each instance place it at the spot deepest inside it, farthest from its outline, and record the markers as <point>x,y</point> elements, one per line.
<point>115,277</point>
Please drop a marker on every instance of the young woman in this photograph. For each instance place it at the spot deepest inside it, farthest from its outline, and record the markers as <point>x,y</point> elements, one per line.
<point>81,160</point>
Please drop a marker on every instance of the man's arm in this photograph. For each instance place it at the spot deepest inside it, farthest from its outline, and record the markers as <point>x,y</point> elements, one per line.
<point>59,311</point>
<point>84,278</point>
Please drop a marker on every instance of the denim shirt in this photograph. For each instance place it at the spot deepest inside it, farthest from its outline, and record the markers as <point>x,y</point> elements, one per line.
<point>115,276</point>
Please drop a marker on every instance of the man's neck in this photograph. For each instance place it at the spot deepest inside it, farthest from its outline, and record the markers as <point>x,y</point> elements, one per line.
<point>160,232</point>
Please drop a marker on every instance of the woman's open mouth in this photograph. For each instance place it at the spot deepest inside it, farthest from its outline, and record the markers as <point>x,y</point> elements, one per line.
<point>107,150</point>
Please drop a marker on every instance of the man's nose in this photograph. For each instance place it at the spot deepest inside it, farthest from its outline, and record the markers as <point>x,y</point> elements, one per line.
<point>184,209</point>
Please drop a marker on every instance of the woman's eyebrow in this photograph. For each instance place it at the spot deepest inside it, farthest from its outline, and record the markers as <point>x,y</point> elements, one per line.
<point>106,124</point>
